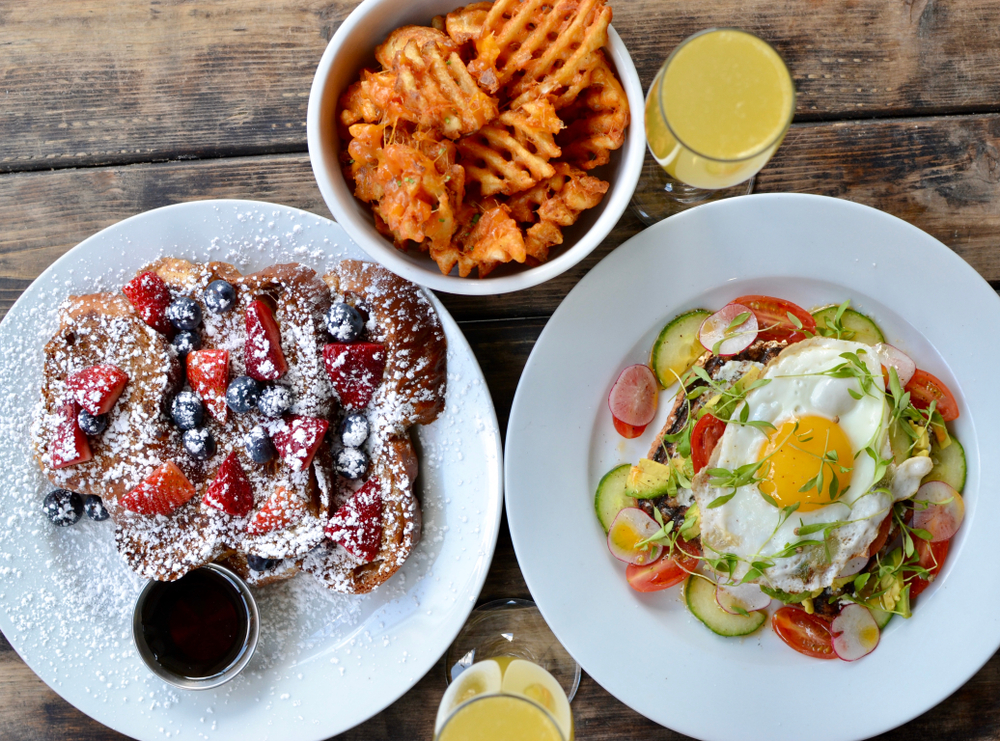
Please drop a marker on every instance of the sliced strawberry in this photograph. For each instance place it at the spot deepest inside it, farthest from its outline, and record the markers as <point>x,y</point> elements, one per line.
<point>358,524</point>
<point>230,491</point>
<point>298,438</point>
<point>262,351</point>
<point>69,444</point>
<point>160,493</point>
<point>98,387</point>
<point>283,509</point>
<point>355,371</point>
<point>150,297</point>
<point>208,374</point>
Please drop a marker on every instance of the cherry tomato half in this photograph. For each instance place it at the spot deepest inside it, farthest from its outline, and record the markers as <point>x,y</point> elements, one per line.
<point>706,434</point>
<point>772,316</point>
<point>665,572</point>
<point>882,536</point>
<point>807,634</point>
<point>925,388</point>
<point>627,431</point>
<point>932,556</point>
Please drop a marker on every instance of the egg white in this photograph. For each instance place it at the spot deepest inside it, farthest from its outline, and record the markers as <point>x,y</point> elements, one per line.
<point>750,527</point>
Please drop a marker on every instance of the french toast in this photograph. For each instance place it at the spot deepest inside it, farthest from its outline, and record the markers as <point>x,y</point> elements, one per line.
<point>176,507</point>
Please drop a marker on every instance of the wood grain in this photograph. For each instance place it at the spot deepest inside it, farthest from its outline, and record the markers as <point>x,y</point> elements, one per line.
<point>129,81</point>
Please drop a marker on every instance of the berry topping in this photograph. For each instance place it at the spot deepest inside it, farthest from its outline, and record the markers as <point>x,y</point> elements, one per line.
<point>69,444</point>
<point>97,388</point>
<point>208,374</point>
<point>186,342</point>
<point>63,507</point>
<point>355,371</point>
<point>358,524</point>
<point>275,401</point>
<point>186,410</point>
<point>262,351</point>
<point>199,443</point>
<point>297,440</point>
<point>94,508</point>
<point>259,446</point>
<point>258,563</point>
<point>150,297</point>
<point>344,322</point>
<point>242,394</point>
<point>282,510</point>
<point>184,313</point>
<point>351,463</point>
<point>92,424</point>
<point>354,430</point>
<point>230,491</point>
<point>160,493</point>
<point>219,296</point>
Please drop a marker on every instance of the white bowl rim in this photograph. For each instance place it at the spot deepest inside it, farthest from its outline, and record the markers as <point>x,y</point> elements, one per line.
<point>633,153</point>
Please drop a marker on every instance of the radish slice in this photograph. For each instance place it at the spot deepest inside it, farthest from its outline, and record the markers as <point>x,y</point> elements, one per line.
<point>853,566</point>
<point>633,397</point>
<point>629,527</point>
<point>938,509</point>
<point>855,632</point>
<point>893,357</point>
<point>718,330</point>
<point>746,597</point>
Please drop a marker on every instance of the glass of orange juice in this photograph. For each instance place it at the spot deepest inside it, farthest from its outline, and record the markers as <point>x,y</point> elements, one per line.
<point>717,110</point>
<point>509,679</point>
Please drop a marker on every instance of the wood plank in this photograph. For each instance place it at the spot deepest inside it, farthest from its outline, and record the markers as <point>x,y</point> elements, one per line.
<point>121,81</point>
<point>940,174</point>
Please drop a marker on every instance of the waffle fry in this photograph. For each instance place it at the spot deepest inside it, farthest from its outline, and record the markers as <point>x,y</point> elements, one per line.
<point>535,106</point>
<point>596,121</point>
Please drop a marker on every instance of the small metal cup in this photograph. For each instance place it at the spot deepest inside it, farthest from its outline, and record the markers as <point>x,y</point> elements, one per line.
<point>209,682</point>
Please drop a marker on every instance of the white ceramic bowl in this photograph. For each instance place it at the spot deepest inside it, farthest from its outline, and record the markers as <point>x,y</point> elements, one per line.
<point>352,48</point>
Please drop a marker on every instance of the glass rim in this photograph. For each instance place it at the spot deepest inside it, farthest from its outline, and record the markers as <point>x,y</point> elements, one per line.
<point>493,695</point>
<point>658,80</point>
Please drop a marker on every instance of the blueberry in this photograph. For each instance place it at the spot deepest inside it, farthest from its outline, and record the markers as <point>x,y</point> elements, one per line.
<point>95,508</point>
<point>354,430</point>
<point>185,342</point>
<point>259,446</point>
<point>184,313</point>
<point>219,296</point>
<point>187,411</point>
<point>199,443</point>
<point>344,322</point>
<point>274,401</point>
<point>91,424</point>
<point>257,563</point>
<point>63,507</point>
<point>242,394</point>
<point>351,463</point>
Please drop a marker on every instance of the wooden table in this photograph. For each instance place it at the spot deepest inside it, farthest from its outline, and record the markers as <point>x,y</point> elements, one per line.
<point>112,107</point>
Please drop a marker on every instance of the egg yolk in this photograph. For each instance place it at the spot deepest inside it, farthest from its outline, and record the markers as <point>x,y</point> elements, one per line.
<point>803,456</point>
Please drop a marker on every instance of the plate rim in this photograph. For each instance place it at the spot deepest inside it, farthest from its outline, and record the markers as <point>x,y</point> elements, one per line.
<point>552,606</point>
<point>493,466</point>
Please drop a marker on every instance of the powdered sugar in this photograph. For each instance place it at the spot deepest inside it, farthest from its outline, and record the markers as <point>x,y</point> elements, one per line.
<point>66,596</point>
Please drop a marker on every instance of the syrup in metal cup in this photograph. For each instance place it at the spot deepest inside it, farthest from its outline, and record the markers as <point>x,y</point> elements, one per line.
<point>197,632</point>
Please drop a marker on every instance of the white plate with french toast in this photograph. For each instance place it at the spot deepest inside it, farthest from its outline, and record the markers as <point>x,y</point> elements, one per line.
<point>348,624</point>
<point>647,648</point>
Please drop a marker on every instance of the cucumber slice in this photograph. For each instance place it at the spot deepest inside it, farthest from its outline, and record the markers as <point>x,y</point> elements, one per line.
<point>611,497</point>
<point>882,617</point>
<point>949,465</point>
<point>677,347</point>
<point>900,442</point>
<point>860,328</point>
<point>700,596</point>
<point>647,480</point>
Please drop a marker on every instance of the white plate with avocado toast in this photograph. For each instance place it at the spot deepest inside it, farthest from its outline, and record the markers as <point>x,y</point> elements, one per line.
<point>648,649</point>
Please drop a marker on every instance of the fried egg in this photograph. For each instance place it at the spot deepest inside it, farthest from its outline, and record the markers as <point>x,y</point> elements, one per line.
<point>813,455</point>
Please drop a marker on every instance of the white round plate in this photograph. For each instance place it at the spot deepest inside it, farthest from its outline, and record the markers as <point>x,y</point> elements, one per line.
<point>325,662</point>
<point>647,649</point>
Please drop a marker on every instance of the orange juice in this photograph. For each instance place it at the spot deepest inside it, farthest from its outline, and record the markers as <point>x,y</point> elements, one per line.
<point>500,718</point>
<point>719,108</point>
